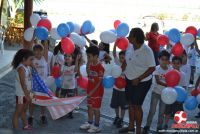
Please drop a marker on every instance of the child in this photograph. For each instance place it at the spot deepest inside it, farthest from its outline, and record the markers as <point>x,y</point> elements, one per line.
<point>21,62</point>
<point>68,73</point>
<point>40,64</point>
<point>158,85</point>
<point>120,105</point>
<point>95,90</point>
<point>177,106</point>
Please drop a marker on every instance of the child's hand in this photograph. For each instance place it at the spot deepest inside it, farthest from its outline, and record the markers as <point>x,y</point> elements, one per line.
<point>27,96</point>
<point>136,81</point>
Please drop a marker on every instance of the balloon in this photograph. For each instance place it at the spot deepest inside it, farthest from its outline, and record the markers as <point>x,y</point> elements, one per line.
<point>108,37</point>
<point>77,28</point>
<point>168,95</point>
<point>83,70</point>
<point>172,78</point>
<point>45,23</point>
<point>63,30</point>
<point>162,40</point>
<point>71,26</point>
<point>41,33</point>
<point>187,39</point>
<point>122,30</point>
<point>195,92</point>
<point>92,29</point>
<point>116,23</point>
<point>54,34</point>
<point>82,82</point>
<point>122,43</point>
<point>191,103</point>
<point>116,71</point>
<point>120,82</point>
<point>78,40</point>
<point>198,34</point>
<point>34,19</point>
<point>174,35</point>
<point>50,82</point>
<point>177,49</point>
<point>108,82</point>
<point>28,34</point>
<point>55,72</point>
<point>198,98</point>
<point>182,94</point>
<point>166,33</point>
<point>87,25</point>
<point>192,30</point>
<point>58,82</point>
<point>67,45</point>
<point>114,31</point>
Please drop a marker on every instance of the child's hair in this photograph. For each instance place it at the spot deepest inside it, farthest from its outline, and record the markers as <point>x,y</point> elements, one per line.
<point>93,50</point>
<point>164,53</point>
<point>184,52</point>
<point>154,27</point>
<point>122,53</point>
<point>106,47</point>
<point>38,47</point>
<point>138,34</point>
<point>73,58</point>
<point>177,58</point>
<point>95,42</point>
<point>57,49</point>
<point>22,54</point>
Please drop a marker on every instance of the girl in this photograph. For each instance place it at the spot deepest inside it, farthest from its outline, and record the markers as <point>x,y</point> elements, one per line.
<point>21,62</point>
<point>68,73</point>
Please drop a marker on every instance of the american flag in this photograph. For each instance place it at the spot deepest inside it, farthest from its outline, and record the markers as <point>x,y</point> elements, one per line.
<point>57,107</point>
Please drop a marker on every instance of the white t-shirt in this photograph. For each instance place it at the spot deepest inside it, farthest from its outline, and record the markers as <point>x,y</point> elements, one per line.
<point>160,72</point>
<point>68,77</point>
<point>138,61</point>
<point>187,70</point>
<point>101,55</point>
<point>28,80</point>
<point>41,66</point>
<point>192,56</point>
<point>183,82</point>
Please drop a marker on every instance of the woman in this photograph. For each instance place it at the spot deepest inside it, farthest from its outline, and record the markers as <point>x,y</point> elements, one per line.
<point>152,40</point>
<point>139,67</point>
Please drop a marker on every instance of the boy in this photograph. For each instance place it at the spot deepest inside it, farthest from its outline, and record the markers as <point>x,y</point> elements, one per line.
<point>95,89</point>
<point>158,85</point>
<point>176,106</point>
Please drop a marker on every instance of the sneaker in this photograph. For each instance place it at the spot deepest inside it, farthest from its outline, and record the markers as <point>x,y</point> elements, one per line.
<point>85,126</point>
<point>75,111</point>
<point>115,120</point>
<point>146,129</point>
<point>119,123</point>
<point>30,121</point>
<point>77,108</point>
<point>43,120</point>
<point>127,130</point>
<point>94,129</point>
<point>28,127</point>
<point>191,86</point>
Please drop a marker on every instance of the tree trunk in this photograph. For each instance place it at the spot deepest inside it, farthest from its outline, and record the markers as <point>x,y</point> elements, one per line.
<point>28,9</point>
<point>1,9</point>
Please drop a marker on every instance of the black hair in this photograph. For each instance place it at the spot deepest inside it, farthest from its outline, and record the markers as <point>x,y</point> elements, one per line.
<point>57,49</point>
<point>184,52</point>
<point>38,47</point>
<point>177,58</point>
<point>93,50</point>
<point>122,53</point>
<point>22,54</point>
<point>42,41</point>
<point>138,34</point>
<point>164,53</point>
<point>154,27</point>
<point>95,42</point>
<point>106,47</point>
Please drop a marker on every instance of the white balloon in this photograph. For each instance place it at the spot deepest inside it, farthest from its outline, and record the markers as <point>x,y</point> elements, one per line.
<point>28,34</point>
<point>78,40</point>
<point>34,19</point>
<point>77,28</point>
<point>108,69</point>
<point>54,34</point>
<point>187,39</point>
<point>83,70</point>
<point>50,82</point>
<point>108,37</point>
<point>168,95</point>
<point>116,71</point>
<point>198,98</point>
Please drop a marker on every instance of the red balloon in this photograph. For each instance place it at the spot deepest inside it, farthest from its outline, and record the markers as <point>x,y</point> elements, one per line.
<point>67,45</point>
<point>195,92</point>
<point>172,78</point>
<point>177,49</point>
<point>122,43</point>
<point>45,23</point>
<point>116,23</point>
<point>162,40</point>
<point>120,82</point>
<point>82,82</point>
<point>55,72</point>
<point>192,30</point>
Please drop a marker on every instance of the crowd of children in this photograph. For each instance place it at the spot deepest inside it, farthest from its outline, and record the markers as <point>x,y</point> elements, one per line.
<point>138,65</point>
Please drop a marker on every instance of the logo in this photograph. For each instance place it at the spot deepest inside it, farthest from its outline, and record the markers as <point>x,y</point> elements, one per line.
<point>180,117</point>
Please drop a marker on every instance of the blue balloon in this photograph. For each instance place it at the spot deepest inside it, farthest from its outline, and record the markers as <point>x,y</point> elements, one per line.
<point>58,82</point>
<point>174,35</point>
<point>198,33</point>
<point>108,82</point>
<point>114,31</point>
<point>92,29</point>
<point>181,94</point>
<point>41,33</point>
<point>85,29</point>
<point>63,30</point>
<point>191,103</point>
<point>166,33</point>
<point>122,30</point>
<point>71,26</point>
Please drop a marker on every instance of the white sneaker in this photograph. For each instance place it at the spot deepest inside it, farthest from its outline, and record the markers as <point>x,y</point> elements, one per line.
<point>94,129</point>
<point>191,86</point>
<point>85,126</point>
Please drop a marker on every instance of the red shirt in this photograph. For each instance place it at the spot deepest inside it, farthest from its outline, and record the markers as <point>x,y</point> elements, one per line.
<point>96,73</point>
<point>152,38</point>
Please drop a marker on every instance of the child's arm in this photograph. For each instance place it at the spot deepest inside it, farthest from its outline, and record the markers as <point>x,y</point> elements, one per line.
<point>197,83</point>
<point>114,51</point>
<point>157,77</point>
<point>46,50</point>
<point>95,89</point>
<point>89,41</point>
<point>77,62</point>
